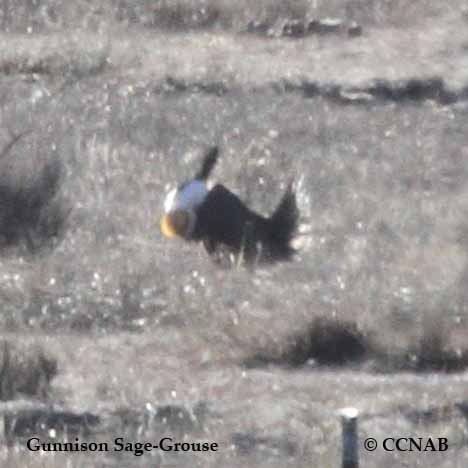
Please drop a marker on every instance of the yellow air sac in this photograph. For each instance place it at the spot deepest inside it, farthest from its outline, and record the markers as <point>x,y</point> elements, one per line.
<point>174,224</point>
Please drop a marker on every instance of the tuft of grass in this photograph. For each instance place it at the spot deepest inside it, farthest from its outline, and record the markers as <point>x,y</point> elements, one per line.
<point>31,213</point>
<point>430,353</point>
<point>323,342</point>
<point>25,371</point>
<point>330,342</point>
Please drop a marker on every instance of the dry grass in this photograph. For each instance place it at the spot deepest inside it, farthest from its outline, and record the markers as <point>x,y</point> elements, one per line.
<point>32,212</point>
<point>183,15</point>
<point>25,371</point>
<point>136,322</point>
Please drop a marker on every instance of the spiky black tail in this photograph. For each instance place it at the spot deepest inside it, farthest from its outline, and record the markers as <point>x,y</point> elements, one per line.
<point>283,225</point>
<point>209,162</point>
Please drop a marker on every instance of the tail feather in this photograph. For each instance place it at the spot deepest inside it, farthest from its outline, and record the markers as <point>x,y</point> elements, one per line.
<point>208,164</point>
<point>284,223</point>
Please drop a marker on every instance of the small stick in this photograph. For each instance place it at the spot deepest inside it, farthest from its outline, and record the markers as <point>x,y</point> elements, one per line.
<point>349,417</point>
<point>14,139</point>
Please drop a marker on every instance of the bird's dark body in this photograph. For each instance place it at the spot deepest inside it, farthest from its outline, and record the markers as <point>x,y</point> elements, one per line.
<point>226,225</point>
<point>224,219</point>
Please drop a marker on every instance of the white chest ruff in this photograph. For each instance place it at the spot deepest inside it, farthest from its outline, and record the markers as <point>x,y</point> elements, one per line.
<point>187,199</point>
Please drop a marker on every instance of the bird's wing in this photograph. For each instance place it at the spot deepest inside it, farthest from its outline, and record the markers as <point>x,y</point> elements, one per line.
<point>223,218</point>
